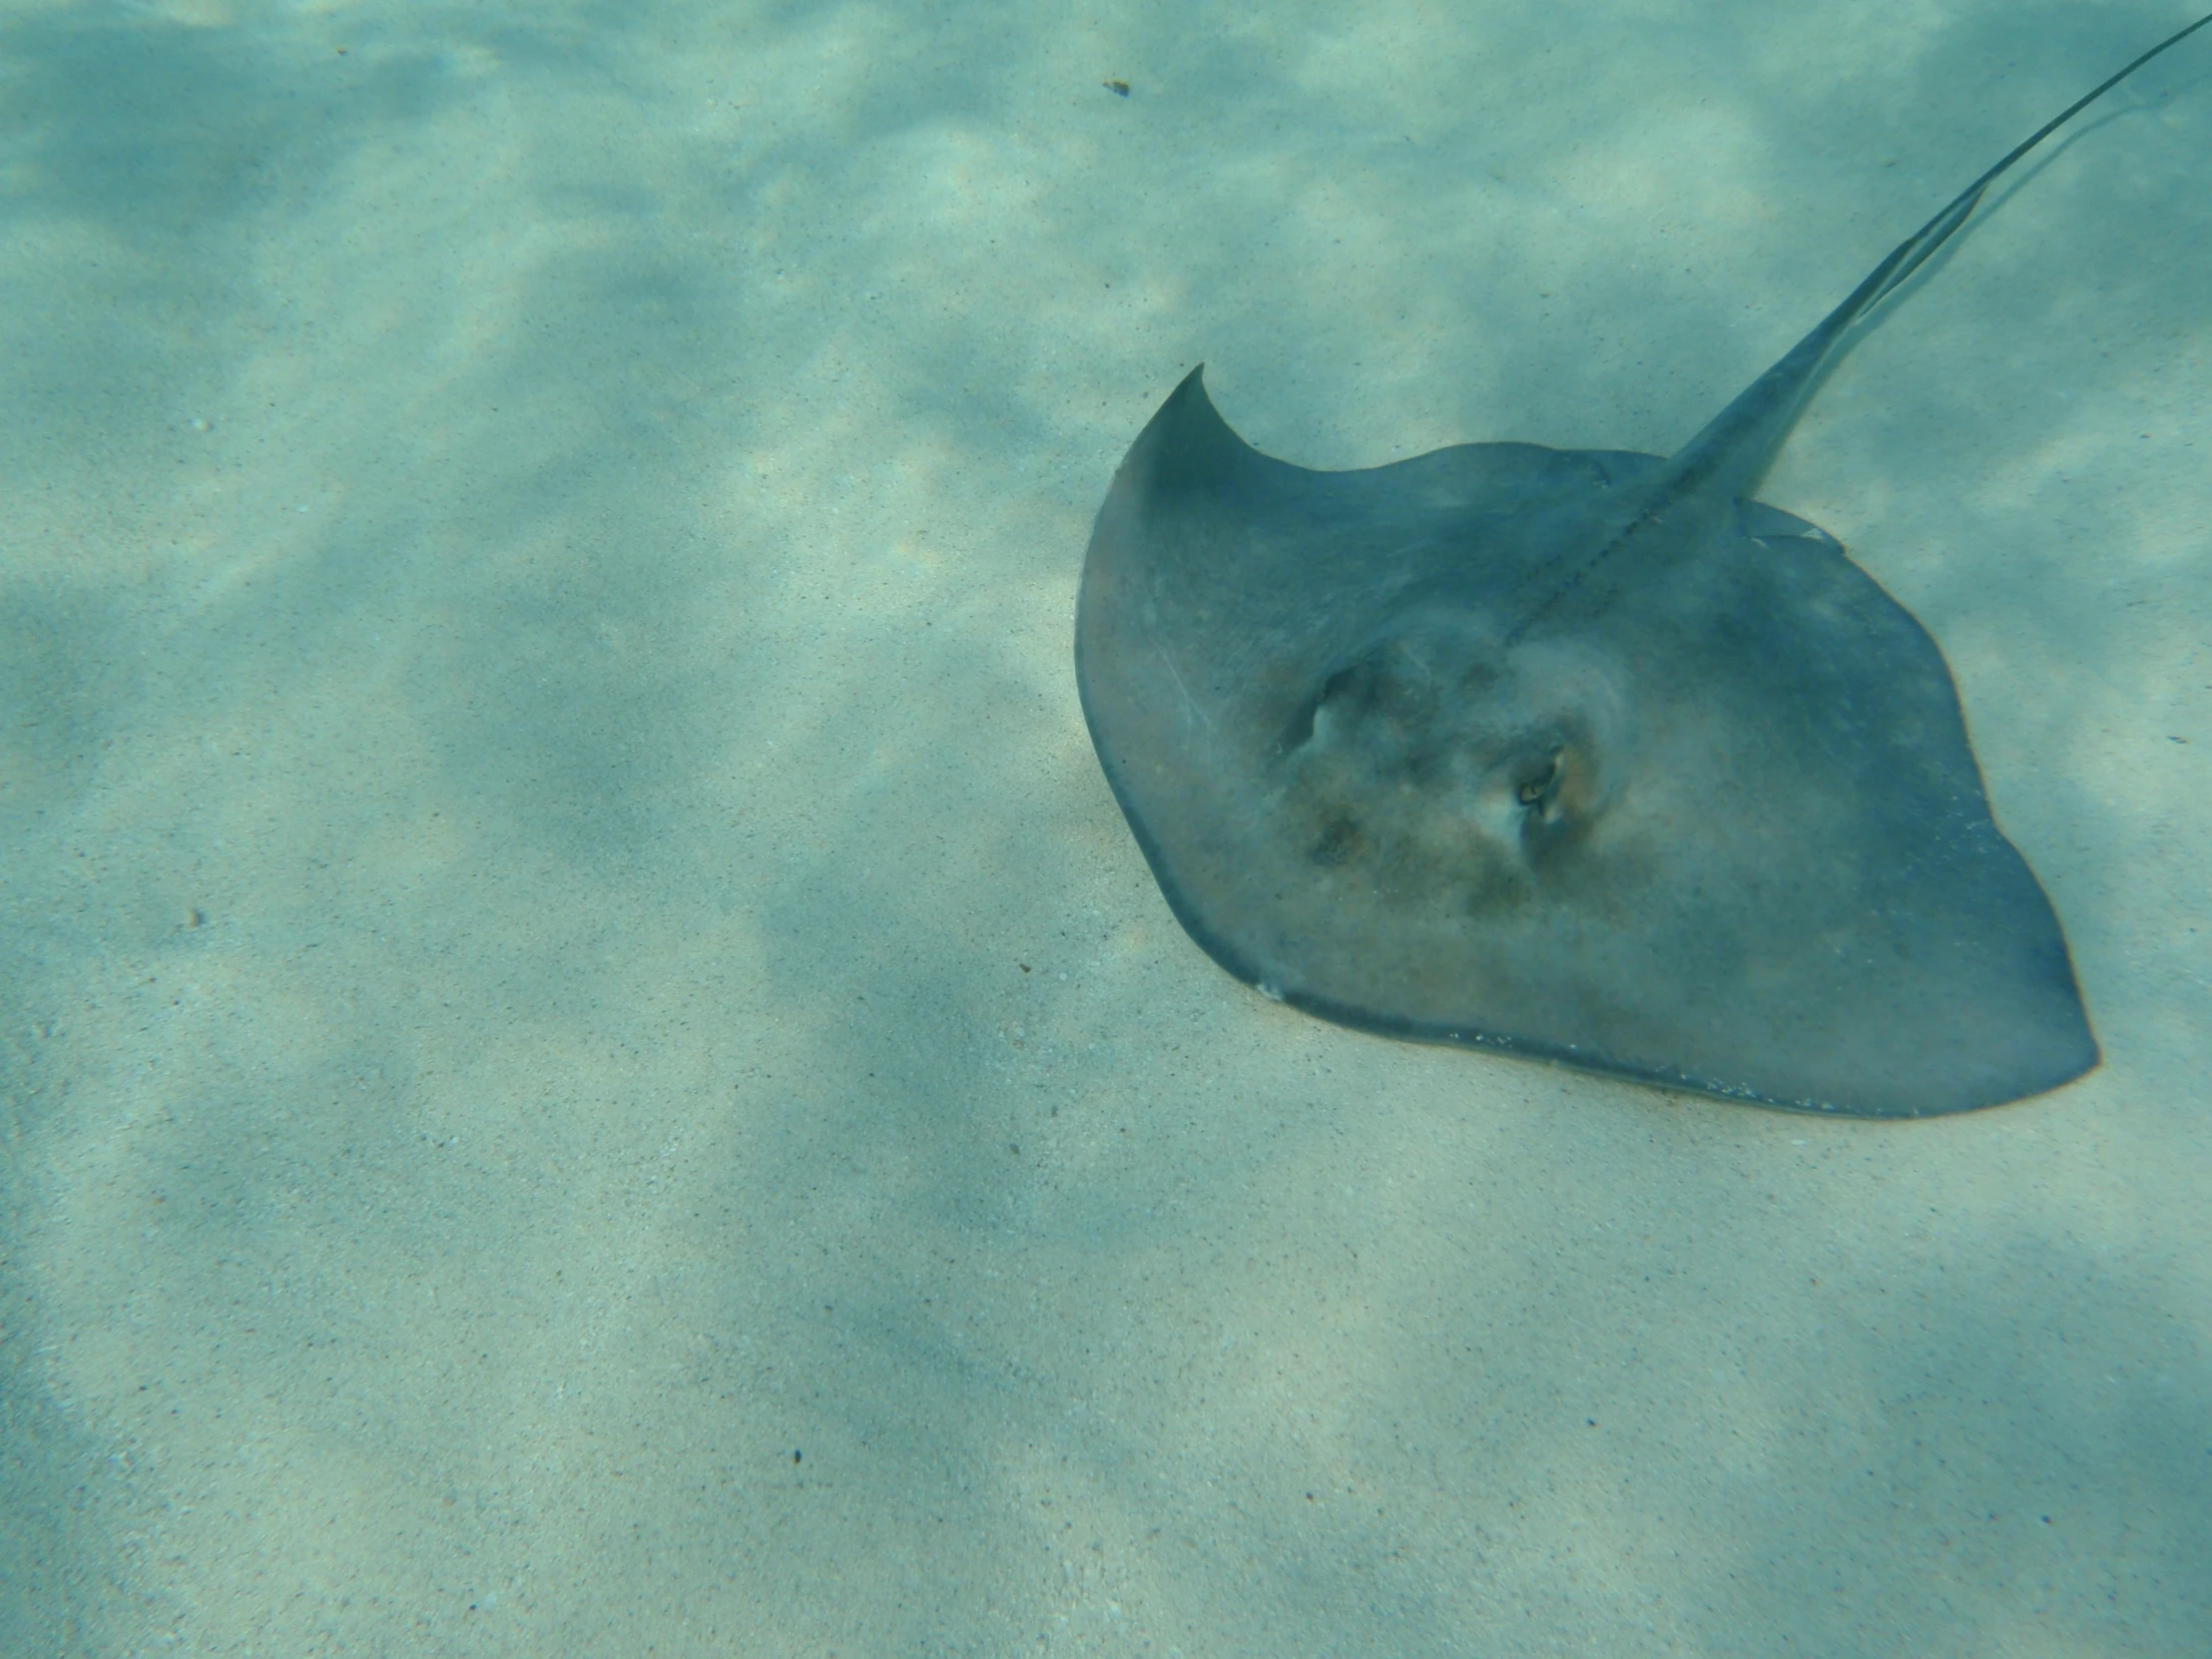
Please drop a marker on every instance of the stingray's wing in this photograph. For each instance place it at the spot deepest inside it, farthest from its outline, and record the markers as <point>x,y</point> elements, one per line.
<point>1721,829</point>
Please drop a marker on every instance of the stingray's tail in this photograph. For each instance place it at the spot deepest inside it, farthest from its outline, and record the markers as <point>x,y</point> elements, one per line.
<point>1737,444</point>
<point>1733,450</point>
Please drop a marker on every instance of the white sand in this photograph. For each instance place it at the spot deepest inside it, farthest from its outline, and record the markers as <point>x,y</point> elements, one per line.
<point>589,1066</point>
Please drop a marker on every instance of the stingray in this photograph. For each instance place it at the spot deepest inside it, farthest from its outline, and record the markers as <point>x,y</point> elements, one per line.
<point>1586,755</point>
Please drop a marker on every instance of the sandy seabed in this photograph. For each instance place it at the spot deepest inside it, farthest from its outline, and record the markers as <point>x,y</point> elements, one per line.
<point>590,1068</point>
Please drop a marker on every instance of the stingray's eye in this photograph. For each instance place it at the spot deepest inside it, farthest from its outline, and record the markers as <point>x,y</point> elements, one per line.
<point>1536,791</point>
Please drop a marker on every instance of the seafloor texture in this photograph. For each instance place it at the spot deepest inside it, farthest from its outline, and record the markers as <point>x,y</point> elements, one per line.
<point>589,1066</point>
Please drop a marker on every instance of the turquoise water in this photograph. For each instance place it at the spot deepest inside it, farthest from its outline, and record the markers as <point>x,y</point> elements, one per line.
<point>590,1065</point>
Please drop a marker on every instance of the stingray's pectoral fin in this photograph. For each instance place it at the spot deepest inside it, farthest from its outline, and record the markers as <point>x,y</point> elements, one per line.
<point>1188,446</point>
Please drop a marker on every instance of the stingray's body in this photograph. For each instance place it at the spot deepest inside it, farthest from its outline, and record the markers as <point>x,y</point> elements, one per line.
<point>1580,754</point>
